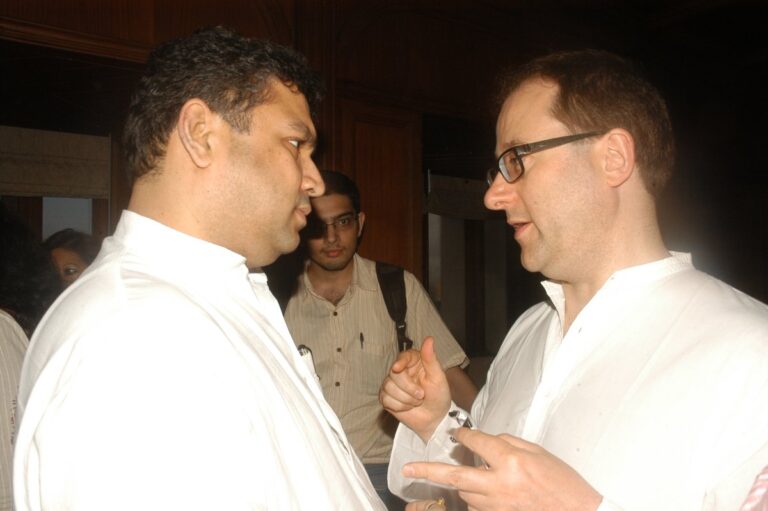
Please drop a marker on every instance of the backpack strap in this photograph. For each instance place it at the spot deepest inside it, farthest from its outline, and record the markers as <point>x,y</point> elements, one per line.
<point>392,284</point>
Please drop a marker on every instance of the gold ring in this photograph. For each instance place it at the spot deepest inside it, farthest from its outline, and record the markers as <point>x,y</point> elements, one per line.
<point>437,504</point>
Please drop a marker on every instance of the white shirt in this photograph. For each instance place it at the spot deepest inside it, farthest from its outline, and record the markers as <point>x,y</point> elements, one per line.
<point>13,344</point>
<point>165,378</point>
<point>656,395</point>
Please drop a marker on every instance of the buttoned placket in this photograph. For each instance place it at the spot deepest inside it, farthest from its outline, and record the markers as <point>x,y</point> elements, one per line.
<point>564,355</point>
<point>336,316</point>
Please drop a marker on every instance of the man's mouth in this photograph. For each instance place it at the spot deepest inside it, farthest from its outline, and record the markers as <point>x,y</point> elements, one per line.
<point>519,227</point>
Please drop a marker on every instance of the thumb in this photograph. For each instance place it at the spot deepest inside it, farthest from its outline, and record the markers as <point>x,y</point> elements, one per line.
<point>432,365</point>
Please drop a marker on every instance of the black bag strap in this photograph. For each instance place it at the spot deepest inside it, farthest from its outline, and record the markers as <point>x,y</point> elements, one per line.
<point>392,284</point>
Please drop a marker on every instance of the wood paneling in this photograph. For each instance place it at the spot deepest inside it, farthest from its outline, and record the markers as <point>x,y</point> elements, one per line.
<point>315,29</point>
<point>432,60</point>
<point>380,147</point>
<point>122,29</point>
<point>270,19</point>
<point>128,29</point>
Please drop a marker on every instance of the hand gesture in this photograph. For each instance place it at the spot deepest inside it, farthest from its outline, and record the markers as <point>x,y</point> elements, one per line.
<point>520,476</point>
<point>416,391</point>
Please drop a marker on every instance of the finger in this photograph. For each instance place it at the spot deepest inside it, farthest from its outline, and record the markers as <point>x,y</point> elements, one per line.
<point>468,479</point>
<point>407,382</point>
<point>493,449</point>
<point>395,398</point>
<point>429,357</point>
<point>404,360</point>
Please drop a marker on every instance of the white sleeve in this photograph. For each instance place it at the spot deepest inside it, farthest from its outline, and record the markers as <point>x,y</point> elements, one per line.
<point>409,447</point>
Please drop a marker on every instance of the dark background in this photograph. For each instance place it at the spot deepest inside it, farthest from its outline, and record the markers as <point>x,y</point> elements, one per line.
<point>437,62</point>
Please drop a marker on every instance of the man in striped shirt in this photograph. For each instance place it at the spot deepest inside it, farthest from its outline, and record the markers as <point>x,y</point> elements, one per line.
<point>340,314</point>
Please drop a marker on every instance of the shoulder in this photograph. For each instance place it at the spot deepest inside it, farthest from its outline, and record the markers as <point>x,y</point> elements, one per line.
<point>114,310</point>
<point>712,302</point>
<point>366,271</point>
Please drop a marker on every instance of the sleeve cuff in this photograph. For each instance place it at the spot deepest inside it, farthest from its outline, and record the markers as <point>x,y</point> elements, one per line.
<point>409,447</point>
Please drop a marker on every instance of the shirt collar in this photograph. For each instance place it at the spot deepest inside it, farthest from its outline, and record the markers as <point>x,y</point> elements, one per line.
<point>362,277</point>
<point>173,250</point>
<point>641,274</point>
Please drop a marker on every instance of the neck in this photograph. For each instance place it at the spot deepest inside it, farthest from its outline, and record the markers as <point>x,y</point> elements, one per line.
<point>162,196</point>
<point>331,285</point>
<point>628,246</point>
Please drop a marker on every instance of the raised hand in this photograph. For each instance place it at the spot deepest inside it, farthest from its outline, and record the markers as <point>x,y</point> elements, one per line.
<point>416,391</point>
<point>521,476</point>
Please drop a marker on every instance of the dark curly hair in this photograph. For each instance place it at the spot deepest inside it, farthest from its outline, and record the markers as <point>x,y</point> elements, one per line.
<point>228,71</point>
<point>78,242</point>
<point>599,91</point>
<point>28,281</point>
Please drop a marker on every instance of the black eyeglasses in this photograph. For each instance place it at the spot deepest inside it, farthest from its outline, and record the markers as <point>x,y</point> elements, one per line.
<point>316,228</point>
<point>510,163</point>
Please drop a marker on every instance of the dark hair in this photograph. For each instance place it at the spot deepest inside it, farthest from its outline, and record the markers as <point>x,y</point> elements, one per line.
<point>28,281</point>
<point>599,91</point>
<point>226,70</point>
<point>341,184</point>
<point>81,243</point>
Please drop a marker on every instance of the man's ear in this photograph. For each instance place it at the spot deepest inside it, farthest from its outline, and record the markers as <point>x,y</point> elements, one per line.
<point>196,124</point>
<point>360,223</point>
<point>618,156</point>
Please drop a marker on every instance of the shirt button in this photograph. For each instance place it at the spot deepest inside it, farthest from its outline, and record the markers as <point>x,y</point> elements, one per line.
<point>338,349</point>
<point>335,313</point>
<point>337,384</point>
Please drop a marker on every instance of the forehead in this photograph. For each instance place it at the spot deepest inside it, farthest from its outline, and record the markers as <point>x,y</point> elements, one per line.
<point>285,105</point>
<point>330,206</point>
<point>526,114</point>
<point>63,256</point>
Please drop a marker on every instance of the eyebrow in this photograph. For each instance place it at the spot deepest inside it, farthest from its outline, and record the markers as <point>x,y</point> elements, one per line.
<point>508,145</point>
<point>340,215</point>
<point>306,133</point>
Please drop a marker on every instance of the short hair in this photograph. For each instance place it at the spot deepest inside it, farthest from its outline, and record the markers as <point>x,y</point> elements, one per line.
<point>228,71</point>
<point>341,184</point>
<point>599,91</point>
<point>84,245</point>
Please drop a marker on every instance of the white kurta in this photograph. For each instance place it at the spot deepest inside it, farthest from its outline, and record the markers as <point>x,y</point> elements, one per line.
<point>657,395</point>
<point>165,378</point>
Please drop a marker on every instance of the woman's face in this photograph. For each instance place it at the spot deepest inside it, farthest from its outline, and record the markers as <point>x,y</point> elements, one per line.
<point>69,265</point>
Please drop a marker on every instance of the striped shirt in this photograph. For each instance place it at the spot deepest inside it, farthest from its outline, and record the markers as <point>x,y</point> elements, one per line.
<point>13,344</point>
<point>354,343</point>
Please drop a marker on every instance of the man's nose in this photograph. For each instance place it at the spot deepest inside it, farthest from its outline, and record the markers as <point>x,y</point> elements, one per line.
<point>329,232</point>
<point>500,193</point>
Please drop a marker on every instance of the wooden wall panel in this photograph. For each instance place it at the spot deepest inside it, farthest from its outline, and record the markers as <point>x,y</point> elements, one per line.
<point>121,29</point>
<point>128,29</point>
<point>431,60</point>
<point>315,28</point>
<point>270,19</point>
<point>120,20</point>
<point>380,147</point>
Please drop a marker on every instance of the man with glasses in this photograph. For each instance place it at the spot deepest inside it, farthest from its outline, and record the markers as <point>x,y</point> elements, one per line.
<point>641,383</point>
<point>339,313</point>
